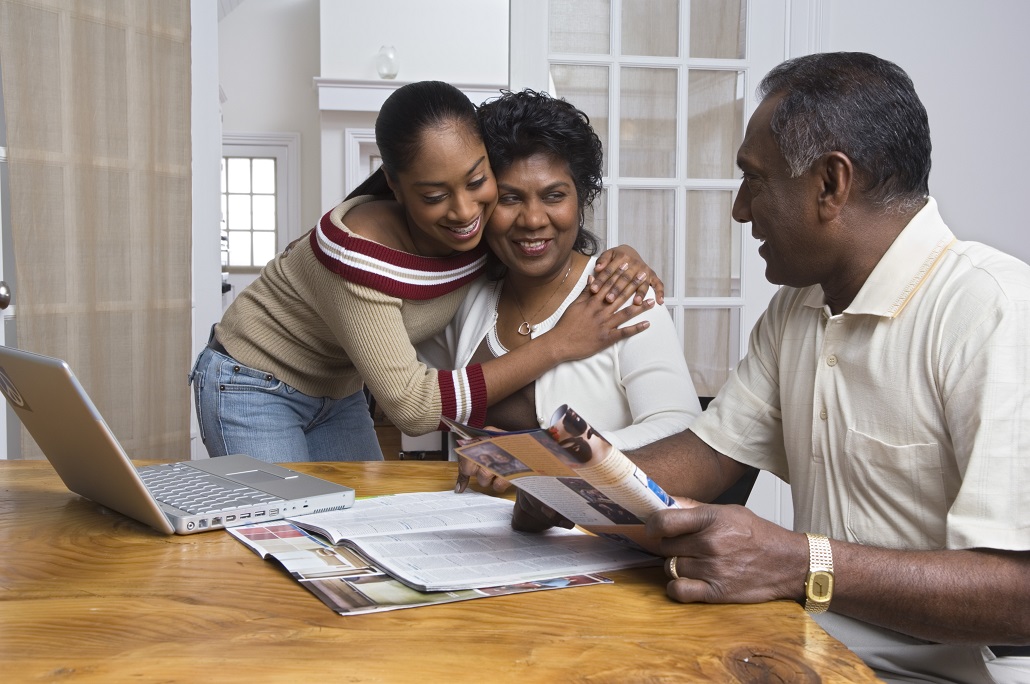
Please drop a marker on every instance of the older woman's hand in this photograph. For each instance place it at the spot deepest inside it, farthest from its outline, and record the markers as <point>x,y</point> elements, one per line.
<point>467,469</point>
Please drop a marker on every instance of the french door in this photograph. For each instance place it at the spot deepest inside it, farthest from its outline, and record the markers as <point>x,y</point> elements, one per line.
<point>668,86</point>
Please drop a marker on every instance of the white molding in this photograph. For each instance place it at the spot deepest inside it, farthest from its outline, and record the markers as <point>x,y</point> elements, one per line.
<point>206,127</point>
<point>342,95</point>
<point>290,142</point>
<point>808,27</point>
<point>528,65</point>
<point>353,140</point>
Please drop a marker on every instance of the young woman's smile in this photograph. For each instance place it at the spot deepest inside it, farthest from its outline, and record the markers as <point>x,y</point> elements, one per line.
<point>448,192</point>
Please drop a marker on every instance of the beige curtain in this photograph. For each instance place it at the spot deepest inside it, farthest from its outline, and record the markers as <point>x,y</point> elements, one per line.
<point>97,102</point>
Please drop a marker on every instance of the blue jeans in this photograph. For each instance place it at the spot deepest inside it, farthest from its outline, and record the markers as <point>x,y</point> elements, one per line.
<point>244,410</point>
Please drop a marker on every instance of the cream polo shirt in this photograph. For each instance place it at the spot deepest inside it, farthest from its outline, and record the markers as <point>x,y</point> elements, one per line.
<point>903,422</point>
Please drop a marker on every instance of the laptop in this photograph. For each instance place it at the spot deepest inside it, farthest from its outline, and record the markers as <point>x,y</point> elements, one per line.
<point>181,498</point>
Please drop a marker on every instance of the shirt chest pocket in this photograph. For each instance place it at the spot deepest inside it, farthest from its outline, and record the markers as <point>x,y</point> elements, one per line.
<point>896,494</point>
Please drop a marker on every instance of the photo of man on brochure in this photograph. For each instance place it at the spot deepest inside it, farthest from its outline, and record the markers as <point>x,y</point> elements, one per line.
<point>494,458</point>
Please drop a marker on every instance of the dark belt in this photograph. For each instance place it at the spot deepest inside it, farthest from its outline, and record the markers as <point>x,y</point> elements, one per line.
<point>215,345</point>
<point>1006,651</point>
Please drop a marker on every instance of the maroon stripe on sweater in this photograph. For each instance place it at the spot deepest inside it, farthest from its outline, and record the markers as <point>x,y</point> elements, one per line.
<point>448,402</point>
<point>477,385</point>
<point>380,280</point>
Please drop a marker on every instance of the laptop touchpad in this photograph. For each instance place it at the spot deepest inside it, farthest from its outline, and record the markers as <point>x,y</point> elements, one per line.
<point>255,477</point>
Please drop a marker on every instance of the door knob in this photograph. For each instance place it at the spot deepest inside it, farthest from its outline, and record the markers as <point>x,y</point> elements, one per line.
<point>5,295</point>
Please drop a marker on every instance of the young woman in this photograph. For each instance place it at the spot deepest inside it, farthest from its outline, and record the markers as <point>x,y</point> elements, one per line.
<point>548,163</point>
<point>282,376</point>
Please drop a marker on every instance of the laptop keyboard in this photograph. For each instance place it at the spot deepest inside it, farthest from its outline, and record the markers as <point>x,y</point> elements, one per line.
<point>195,491</point>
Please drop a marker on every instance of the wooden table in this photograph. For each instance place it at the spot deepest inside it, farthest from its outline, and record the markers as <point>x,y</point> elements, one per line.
<point>87,595</point>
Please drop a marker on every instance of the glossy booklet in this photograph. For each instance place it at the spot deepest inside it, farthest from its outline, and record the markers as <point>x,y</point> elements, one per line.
<point>574,470</point>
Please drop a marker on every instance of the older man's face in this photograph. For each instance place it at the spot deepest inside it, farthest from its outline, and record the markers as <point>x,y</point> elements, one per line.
<point>781,210</point>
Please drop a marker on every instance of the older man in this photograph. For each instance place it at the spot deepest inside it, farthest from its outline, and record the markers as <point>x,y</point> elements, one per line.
<point>888,382</point>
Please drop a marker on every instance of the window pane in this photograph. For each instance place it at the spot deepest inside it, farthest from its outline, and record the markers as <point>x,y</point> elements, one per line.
<point>238,175</point>
<point>715,122</point>
<point>264,176</point>
<point>587,88</point>
<point>238,217</point>
<point>713,245</point>
<point>580,26</point>
<point>717,28</point>
<point>646,221</point>
<point>650,27</point>
<point>239,248</point>
<point>711,338</point>
<point>264,212</point>
<point>264,248</point>
<point>647,132</point>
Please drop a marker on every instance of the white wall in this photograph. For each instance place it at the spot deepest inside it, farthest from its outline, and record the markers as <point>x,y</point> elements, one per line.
<point>458,41</point>
<point>968,61</point>
<point>206,260</point>
<point>268,60</point>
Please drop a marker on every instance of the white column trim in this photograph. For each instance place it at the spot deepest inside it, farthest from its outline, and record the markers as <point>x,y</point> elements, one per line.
<point>808,27</point>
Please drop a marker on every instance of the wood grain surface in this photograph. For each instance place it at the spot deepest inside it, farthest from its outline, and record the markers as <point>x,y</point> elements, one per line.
<point>87,595</point>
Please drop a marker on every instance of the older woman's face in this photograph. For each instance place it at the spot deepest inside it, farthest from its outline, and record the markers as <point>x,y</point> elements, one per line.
<point>534,226</point>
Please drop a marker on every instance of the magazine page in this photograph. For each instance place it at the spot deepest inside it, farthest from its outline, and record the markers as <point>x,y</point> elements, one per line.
<point>401,513</point>
<point>442,541</point>
<point>349,585</point>
<point>573,469</point>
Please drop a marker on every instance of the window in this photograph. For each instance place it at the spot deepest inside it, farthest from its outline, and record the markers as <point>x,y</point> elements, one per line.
<point>260,198</point>
<point>249,201</point>
<point>666,84</point>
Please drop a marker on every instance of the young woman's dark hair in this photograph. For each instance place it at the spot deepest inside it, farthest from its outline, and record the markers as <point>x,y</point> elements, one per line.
<point>402,120</point>
<point>518,125</point>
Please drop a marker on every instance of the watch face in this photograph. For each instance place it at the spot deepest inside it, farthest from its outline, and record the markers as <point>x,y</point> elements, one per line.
<point>820,586</point>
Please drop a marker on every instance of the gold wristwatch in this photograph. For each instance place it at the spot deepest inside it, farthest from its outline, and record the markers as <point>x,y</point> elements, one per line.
<point>819,583</point>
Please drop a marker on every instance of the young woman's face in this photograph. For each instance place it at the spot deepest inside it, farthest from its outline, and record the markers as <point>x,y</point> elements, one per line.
<point>534,227</point>
<point>448,192</point>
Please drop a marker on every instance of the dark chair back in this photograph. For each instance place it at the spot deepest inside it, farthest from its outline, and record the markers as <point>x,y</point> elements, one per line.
<point>740,490</point>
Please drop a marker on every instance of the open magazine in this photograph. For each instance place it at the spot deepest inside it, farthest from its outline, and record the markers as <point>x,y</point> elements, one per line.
<point>350,585</point>
<point>574,470</point>
<point>443,541</point>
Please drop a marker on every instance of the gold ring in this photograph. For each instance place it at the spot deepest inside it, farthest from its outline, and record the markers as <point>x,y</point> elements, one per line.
<point>670,567</point>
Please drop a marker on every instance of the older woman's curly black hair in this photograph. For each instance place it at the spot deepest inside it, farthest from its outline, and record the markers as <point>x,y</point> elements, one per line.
<point>518,125</point>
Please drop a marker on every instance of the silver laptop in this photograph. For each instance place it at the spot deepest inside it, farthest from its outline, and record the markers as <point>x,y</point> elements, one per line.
<point>181,498</point>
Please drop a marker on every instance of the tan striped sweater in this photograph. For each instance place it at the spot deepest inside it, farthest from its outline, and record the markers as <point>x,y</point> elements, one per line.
<point>335,310</point>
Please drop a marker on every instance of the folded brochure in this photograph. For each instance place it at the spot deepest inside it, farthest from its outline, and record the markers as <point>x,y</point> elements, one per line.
<point>574,470</point>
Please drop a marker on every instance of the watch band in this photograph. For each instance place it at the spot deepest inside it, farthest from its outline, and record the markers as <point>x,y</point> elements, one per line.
<point>819,582</point>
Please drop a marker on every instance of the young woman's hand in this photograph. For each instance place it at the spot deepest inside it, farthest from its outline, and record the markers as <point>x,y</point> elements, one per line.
<point>592,323</point>
<point>621,267</point>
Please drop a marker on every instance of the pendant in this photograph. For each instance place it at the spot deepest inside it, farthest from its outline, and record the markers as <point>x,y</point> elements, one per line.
<point>525,328</point>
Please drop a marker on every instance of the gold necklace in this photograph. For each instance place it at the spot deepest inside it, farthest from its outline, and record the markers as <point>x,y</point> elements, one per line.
<point>525,328</point>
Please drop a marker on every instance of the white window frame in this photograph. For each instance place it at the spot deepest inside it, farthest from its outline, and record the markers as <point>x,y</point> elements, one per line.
<point>776,29</point>
<point>285,149</point>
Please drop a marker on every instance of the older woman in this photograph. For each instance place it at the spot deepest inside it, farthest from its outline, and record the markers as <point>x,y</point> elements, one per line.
<point>547,161</point>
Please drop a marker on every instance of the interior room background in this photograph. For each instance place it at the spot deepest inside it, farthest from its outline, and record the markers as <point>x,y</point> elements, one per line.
<point>300,78</point>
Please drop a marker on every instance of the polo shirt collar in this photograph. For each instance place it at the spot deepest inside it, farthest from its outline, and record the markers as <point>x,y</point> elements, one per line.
<point>902,270</point>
